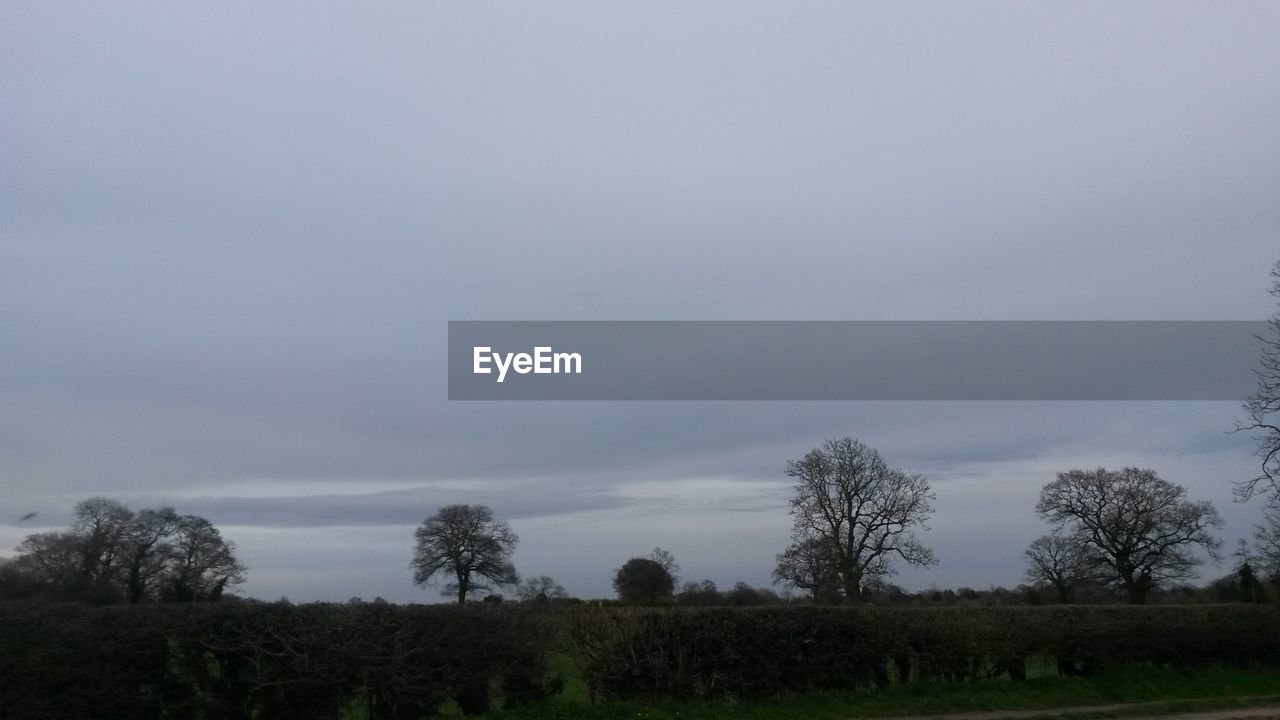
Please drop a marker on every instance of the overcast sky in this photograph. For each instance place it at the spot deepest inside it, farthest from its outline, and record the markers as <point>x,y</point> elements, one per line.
<point>231,236</point>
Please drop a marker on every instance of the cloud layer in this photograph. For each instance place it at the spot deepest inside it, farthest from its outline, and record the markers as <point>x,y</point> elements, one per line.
<point>231,237</point>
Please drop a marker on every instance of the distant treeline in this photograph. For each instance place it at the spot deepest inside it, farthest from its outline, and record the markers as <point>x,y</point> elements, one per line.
<point>1236,586</point>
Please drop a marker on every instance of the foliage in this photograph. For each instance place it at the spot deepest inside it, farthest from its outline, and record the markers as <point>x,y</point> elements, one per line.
<point>643,580</point>
<point>1157,692</point>
<point>245,660</point>
<point>378,660</point>
<point>639,653</point>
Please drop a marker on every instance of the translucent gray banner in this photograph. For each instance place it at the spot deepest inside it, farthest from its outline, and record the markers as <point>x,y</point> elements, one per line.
<point>852,360</point>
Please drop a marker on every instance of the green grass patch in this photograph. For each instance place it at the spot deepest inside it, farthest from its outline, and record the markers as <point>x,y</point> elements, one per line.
<point>1163,690</point>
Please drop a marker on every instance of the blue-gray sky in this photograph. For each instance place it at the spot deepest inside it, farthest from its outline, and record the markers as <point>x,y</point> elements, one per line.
<point>231,236</point>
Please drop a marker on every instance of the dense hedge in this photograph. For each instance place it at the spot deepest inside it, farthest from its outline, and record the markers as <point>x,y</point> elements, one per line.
<point>384,661</point>
<point>264,660</point>
<point>709,652</point>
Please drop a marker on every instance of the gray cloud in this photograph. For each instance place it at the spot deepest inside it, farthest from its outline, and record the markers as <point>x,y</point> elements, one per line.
<point>231,237</point>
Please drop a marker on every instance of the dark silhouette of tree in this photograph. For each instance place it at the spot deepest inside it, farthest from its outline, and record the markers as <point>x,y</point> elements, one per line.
<point>699,593</point>
<point>100,526</point>
<point>1266,538</point>
<point>643,580</point>
<point>147,551</point>
<point>1251,589</point>
<point>1058,561</point>
<point>743,594</point>
<point>50,560</point>
<point>465,543</point>
<point>852,516</point>
<point>201,564</point>
<point>15,584</point>
<point>812,564</point>
<point>1135,529</point>
<point>541,589</point>
<point>1262,408</point>
<point>667,561</point>
<point>768,596</point>
<point>111,553</point>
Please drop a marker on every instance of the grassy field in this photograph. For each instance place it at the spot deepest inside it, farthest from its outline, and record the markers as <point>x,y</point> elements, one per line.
<point>1162,690</point>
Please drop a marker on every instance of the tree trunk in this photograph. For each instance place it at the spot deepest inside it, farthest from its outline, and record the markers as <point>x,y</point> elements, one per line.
<point>136,588</point>
<point>1135,592</point>
<point>852,588</point>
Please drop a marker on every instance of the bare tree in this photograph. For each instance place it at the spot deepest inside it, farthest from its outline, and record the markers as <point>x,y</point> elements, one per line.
<point>51,559</point>
<point>541,589</point>
<point>1262,408</point>
<point>743,594</point>
<point>852,516</point>
<point>811,564</point>
<point>111,553</point>
<point>100,525</point>
<point>146,552</point>
<point>87,557</point>
<point>1137,529</point>
<point>465,542</point>
<point>1057,560</point>
<point>201,563</point>
<point>1266,538</point>
<point>699,593</point>
<point>668,562</point>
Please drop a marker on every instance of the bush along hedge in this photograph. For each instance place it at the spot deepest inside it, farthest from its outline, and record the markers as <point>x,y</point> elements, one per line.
<point>266,660</point>
<point>760,652</point>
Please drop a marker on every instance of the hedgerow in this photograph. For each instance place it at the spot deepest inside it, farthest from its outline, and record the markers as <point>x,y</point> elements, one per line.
<point>265,660</point>
<point>255,660</point>
<point>640,653</point>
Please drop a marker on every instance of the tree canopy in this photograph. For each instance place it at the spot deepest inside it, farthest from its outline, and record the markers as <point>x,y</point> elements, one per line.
<point>852,517</point>
<point>1133,527</point>
<point>542,588</point>
<point>643,580</point>
<point>112,553</point>
<point>466,544</point>
<point>1057,560</point>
